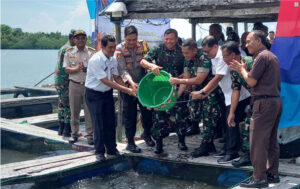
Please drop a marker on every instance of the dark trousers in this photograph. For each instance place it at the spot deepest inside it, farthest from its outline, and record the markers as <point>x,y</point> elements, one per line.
<point>232,138</point>
<point>264,148</point>
<point>102,110</point>
<point>221,124</point>
<point>130,116</point>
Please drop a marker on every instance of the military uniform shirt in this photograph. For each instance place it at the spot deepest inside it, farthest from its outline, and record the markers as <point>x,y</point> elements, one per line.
<point>72,59</point>
<point>171,60</point>
<point>200,64</point>
<point>237,80</point>
<point>100,67</point>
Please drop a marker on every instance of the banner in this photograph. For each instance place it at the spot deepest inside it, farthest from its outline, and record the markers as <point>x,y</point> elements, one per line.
<point>286,47</point>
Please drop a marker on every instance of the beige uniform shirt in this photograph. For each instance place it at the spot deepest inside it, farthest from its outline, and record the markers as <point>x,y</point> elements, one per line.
<point>72,59</point>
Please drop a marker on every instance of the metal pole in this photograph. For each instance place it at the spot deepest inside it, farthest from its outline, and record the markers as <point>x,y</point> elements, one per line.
<point>120,103</point>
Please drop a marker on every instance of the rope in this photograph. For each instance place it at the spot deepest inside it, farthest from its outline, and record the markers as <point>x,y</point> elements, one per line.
<point>44,79</point>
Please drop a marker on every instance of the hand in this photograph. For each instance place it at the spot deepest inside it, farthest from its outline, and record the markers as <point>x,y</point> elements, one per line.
<point>230,120</point>
<point>198,95</point>
<point>155,69</point>
<point>81,66</point>
<point>237,66</point>
<point>131,92</point>
<point>134,86</point>
<point>174,80</point>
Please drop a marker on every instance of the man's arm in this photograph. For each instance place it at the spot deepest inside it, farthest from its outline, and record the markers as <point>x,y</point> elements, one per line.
<point>117,86</point>
<point>212,85</point>
<point>150,66</point>
<point>234,102</point>
<point>241,68</point>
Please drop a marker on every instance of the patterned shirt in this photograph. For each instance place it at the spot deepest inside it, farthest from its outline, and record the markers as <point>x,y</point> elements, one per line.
<point>171,60</point>
<point>60,73</point>
<point>200,64</point>
<point>237,79</point>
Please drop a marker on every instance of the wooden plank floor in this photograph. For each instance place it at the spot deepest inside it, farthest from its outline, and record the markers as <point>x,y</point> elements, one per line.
<point>76,160</point>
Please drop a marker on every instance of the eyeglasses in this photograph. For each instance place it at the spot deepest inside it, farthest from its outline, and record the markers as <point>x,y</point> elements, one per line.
<point>226,55</point>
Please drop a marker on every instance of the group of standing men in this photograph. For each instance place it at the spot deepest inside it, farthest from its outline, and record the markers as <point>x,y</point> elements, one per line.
<point>206,78</point>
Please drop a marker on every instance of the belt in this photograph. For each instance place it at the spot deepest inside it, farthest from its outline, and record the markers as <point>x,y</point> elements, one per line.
<point>262,97</point>
<point>80,83</point>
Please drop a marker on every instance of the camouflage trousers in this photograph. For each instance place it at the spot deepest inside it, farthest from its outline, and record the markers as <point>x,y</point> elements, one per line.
<point>162,120</point>
<point>246,131</point>
<point>209,111</point>
<point>64,113</point>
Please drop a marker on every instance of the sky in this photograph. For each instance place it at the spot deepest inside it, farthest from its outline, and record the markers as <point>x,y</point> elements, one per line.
<point>46,15</point>
<point>63,15</point>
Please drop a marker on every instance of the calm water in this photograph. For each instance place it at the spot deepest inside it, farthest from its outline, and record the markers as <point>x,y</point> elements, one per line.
<point>134,180</point>
<point>27,67</point>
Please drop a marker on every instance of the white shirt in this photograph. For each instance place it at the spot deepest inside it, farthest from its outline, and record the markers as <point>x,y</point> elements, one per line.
<point>221,68</point>
<point>100,67</point>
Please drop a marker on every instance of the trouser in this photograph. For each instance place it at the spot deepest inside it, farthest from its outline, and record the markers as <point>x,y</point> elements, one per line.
<point>102,110</point>
<point>209,111</point>
<point>130,116</point>
<point>178,114</point>
<point>246,131</point>
<point>64,112</point>
<point>221,124</point>
<point>264,148</point>
<point>232,137</point>
<point>77,98</point>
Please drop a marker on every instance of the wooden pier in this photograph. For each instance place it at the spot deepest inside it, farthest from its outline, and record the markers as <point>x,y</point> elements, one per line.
<point>33,169</point>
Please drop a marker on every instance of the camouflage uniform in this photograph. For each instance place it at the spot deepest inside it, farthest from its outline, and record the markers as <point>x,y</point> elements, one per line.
<point>237,82</point>
<point>207,109</point>
<point>62,87</point>
<point>172,62</point>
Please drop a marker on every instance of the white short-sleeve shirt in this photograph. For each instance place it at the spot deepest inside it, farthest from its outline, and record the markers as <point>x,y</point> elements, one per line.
<point>221,68</point>
<point>100,67</point>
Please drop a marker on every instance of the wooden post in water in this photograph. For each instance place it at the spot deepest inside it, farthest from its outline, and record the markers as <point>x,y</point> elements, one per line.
<point>120,103</point>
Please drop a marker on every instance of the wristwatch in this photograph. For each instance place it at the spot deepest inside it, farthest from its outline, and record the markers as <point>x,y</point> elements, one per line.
<point>202,92</point>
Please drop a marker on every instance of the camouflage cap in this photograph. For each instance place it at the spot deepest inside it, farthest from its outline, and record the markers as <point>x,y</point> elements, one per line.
<point>79,32</point>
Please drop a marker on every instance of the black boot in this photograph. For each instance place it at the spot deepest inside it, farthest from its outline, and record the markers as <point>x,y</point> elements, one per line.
<point>181,143</point>
<point>61,126</point>
<point>243,161</point>
<point>147,138</point>
<point>132,147</point>
<point>159,146</point>
<point>67,130</point>
<point>203,150</point>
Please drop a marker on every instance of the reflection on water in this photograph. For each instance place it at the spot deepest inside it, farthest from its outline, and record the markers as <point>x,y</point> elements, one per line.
<point>134,180</point>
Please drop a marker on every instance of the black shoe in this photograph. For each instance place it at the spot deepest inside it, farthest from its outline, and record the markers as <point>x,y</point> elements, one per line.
<point>148,140</point>
<point>90,141</point>
<point>159,146</point>
<point>253,183</point>
<point>243,161</point>
<point>73,140</point>
<point>203,150</point>
<point>67,130</point>
<point>220,154</point>
<point>133,148</point>
<point>61,126</point>
<point>273,178</point>
<point>100,157</point>
<point>115,153</point>
<point>227,158</point>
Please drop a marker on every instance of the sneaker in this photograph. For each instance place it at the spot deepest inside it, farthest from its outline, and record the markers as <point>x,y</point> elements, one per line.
<point>254,183</point>
<point>219,154</point>
<point>243,161</point>
<point>133,148</point>
<point>227,158</point>
<point>273,178</point>
<point>100,157</point>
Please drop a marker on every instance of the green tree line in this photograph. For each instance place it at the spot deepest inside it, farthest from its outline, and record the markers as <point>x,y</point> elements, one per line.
<point>15,38</point>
